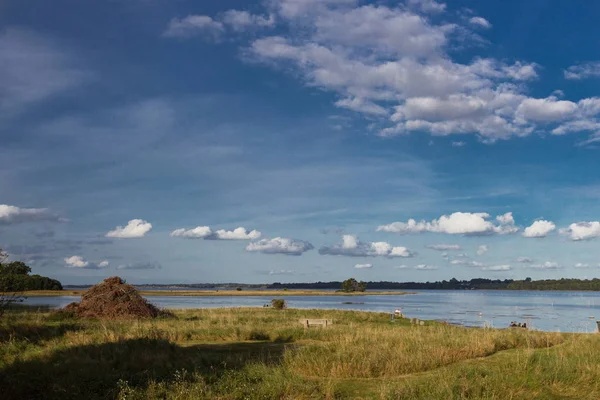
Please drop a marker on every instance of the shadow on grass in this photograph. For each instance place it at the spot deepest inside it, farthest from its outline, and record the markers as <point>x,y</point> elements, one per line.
<point>93,371</point>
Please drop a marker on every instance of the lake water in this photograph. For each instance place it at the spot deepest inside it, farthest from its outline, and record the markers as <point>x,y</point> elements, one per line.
<point>548,311</point>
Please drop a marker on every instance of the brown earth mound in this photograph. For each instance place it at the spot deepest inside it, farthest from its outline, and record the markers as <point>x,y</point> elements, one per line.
<point>113,299</point>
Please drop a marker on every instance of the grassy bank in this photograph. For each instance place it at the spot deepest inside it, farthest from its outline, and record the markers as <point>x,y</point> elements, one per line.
<point>267,293</point>
<point>266,354</point>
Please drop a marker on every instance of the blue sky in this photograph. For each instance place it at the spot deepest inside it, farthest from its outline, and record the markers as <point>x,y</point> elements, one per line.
<point>300,140</point>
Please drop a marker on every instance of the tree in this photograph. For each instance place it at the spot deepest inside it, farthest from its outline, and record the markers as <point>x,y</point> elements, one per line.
<point>7,297</point>
<point>14,268</point>
<point>352,285</point>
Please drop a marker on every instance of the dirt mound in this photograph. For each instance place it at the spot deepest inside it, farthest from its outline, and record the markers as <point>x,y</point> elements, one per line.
<point>113,299</point>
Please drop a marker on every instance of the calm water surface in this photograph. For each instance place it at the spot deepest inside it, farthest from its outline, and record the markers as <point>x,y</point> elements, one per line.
<point>548,311</point>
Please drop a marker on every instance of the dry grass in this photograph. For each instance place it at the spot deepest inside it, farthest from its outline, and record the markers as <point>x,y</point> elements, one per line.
<point>266,354</point>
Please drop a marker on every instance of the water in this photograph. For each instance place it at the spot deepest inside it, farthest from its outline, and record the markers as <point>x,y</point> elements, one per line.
<point>547,311</point>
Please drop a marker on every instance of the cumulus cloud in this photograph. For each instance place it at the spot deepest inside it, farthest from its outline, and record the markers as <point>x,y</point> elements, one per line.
<point>428,6</point>
<point>425,267</point>
<point>582,265</point>
<point>14,215</point>
<point>351,246</point>
<point>80,262</point>
<point>582,71</point>
<point>242,20</point>
<point>140,265</point>
<point>481,250</point>
<point>282,272</point>
<point>363,266</point>
<point>546,265</point>
<point>582,230</point>
<point>279,245</point>
<point>205,232</point>
<point>395,64</point>
<point>480,21</point>
<point>539,229</point>
<point>467,263</point>
<point>462,223</point>
<point>136,228</point>
<point>458,144</point>
<point>524,260</point>
<point>194,25</point>
<point>443,247</point>
<point>497,268</point>
<point>214,28</point>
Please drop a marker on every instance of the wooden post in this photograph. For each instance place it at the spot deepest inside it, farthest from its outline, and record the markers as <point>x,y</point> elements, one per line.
<point>598,325</point>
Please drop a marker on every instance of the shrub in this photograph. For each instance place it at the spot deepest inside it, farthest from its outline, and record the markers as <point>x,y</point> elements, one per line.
<point>279,304</point>
<point>239,289</point>
<point>258,335</point>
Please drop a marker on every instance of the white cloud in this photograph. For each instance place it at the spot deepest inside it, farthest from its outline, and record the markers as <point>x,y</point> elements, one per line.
<point>425,267</point>
<point>401,267</point>
<point>194,25</point>
<point>582,230</point>
<point>539,229</point>
<point>282,272</point>
<point>458,144</point>
<point>481,250</point>
<point>497,268</point>
<point>395,65</point>
<point>524,260</point>
<point>480,21</point>
<point>76,262</point>
<point>80,262</point>
<point>136,228</point>
<point>242,20</point>
<point>582,71</point>
<point>456,223</point>
<point>545,110</point>
<point>280,245</point>
<point>363,266</point>
<point>467,263</point>
<point>428,6</point>
<point>14,215</point>
<point>140,265</point>
<point>443,247</point>
<point>351,246</point>
<point>582,265</point>
<point>546,265</point>
<point>205,232</point>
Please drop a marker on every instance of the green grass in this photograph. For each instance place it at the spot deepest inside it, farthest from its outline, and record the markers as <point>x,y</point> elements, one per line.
<point>267,354</point>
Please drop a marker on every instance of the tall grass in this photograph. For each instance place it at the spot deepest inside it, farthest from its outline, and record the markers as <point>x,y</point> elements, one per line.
<point>266,353</point>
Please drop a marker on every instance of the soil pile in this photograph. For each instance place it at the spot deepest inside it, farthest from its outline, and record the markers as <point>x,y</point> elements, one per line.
<point>113,299</point>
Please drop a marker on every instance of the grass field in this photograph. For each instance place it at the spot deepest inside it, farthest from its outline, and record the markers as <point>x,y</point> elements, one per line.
<point>266,354</point>
<point>267,293</point>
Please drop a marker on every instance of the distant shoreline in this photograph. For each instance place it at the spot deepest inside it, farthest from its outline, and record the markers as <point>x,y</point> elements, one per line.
<point>222,293</point>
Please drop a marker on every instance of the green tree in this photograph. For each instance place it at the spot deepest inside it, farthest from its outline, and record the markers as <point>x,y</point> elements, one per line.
<point>352,285</point>
<point>14,268</point>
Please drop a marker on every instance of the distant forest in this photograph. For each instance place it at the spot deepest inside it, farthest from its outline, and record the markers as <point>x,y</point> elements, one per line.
<point>455,284</point>
<point>452,284</point>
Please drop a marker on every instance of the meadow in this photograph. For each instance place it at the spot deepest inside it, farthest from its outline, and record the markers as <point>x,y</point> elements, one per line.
<point>263,353</point>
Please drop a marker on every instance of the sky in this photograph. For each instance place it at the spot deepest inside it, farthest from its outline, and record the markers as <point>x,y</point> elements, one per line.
<point>300,140</point>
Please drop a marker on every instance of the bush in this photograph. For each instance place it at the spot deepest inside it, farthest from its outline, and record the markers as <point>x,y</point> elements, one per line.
<point>258,335</point>
<point>239,289</point>
<point>278,304</point>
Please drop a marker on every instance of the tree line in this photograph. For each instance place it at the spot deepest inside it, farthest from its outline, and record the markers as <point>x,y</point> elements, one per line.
<point>15,277</point>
